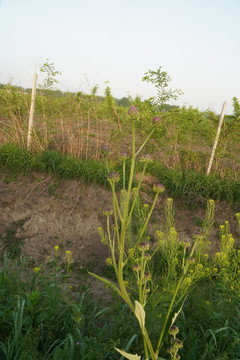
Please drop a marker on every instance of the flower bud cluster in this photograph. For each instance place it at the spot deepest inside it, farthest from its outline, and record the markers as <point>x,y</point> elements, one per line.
<point>144,246</point>
<point>105,150</point>
<point>107,212</point>
<point>147,159</point>
<point>158,188</point>
<point>156,120</point>
<point>113,177</point>
<point>133,112</point>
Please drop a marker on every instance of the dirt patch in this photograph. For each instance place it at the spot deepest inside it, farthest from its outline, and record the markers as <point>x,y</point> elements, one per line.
<point>41,211</point>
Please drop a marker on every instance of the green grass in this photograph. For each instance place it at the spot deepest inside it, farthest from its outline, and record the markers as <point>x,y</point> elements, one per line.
<point>192,186</point>
<point>41,320</point>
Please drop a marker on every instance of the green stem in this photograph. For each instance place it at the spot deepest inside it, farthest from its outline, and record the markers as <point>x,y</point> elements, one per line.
<point>135,198</point>
<point>112,245</point>
<point>167,316</point>
<point>115,200</point>
<point>145,142</point>
<point>124,185</point>
<point>144,227</point>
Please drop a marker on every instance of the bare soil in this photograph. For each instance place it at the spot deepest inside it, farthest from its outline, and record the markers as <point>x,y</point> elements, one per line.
<point>40,211</point>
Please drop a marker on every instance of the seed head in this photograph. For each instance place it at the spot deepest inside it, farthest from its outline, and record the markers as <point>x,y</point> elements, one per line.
<point>158,188</point>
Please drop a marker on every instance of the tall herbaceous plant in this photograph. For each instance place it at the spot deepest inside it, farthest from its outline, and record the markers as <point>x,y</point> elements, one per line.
<point>133,257</point>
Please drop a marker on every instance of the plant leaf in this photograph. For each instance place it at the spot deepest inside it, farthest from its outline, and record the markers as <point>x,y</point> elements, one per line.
<point>106,282</point>
<point>140,314</point>
<point>178,312</point>
<point>128,356</point>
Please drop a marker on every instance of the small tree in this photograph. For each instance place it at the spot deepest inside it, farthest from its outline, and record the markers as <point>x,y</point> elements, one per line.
<point>160,79</point>
<point>236,108</point>
<point>50,81</point>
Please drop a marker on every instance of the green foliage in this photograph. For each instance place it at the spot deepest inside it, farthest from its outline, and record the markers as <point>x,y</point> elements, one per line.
<point>148,289</point>
<point>187,186</point>
<point>160,79</point>
<point>50,81</point>
<point>40,319</point>
<point>236,109</point>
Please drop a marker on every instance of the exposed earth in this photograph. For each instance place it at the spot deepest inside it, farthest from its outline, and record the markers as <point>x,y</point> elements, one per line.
<point>40,211</point>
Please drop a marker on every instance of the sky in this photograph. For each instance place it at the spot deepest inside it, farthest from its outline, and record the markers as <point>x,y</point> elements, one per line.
<point>197,42</point>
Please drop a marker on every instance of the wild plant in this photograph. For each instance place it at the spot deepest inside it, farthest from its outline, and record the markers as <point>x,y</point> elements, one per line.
<point>228,258</point>
<point>132,252</point>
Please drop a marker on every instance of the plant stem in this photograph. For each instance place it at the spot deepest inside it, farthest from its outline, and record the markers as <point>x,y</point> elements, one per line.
<point>168,314</point>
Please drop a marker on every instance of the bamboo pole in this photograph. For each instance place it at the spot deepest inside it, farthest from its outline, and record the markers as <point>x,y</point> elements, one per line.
<point>217,137</point>
<point>32,108</point>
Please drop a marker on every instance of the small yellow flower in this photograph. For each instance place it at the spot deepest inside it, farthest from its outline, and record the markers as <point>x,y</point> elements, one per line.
<point>37,269</point>
<point>68,254</point>
<point>56,248</point>
<point>215,270</point>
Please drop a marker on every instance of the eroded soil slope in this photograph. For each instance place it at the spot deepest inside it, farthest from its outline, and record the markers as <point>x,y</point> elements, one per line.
<point>41,211</point>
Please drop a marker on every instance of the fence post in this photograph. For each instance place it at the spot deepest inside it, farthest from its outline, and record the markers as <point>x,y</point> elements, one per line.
<point>217,137</point>
<point>32,108</point>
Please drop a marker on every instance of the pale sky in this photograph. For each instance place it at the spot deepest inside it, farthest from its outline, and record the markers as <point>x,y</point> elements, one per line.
<point>93,41</point>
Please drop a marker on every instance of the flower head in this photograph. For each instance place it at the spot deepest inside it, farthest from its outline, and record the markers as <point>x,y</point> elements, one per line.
<point>147,276</point>
<point>158,188</point>
<point>146,159</point>
<point>144,246</point>
<point>105,150</point>
<point>68,256</point>
<point>113,177</point>
<point>156,120</point>
<point>109,261</point>
<point>123,156</point>
<point>136,267</point>
<point>147,257</point>
<point>174,330</point>
<point>132,110</point>
<point>107,212</point>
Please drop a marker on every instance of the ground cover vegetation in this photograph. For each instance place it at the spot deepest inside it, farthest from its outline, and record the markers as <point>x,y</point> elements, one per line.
<point>171,298</point>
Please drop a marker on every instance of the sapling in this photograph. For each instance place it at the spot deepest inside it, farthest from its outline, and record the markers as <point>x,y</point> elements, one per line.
<point>135,252</point>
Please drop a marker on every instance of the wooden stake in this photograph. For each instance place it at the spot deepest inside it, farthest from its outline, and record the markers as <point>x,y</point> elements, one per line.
<point>217,137</point>
<point>32,108</point>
